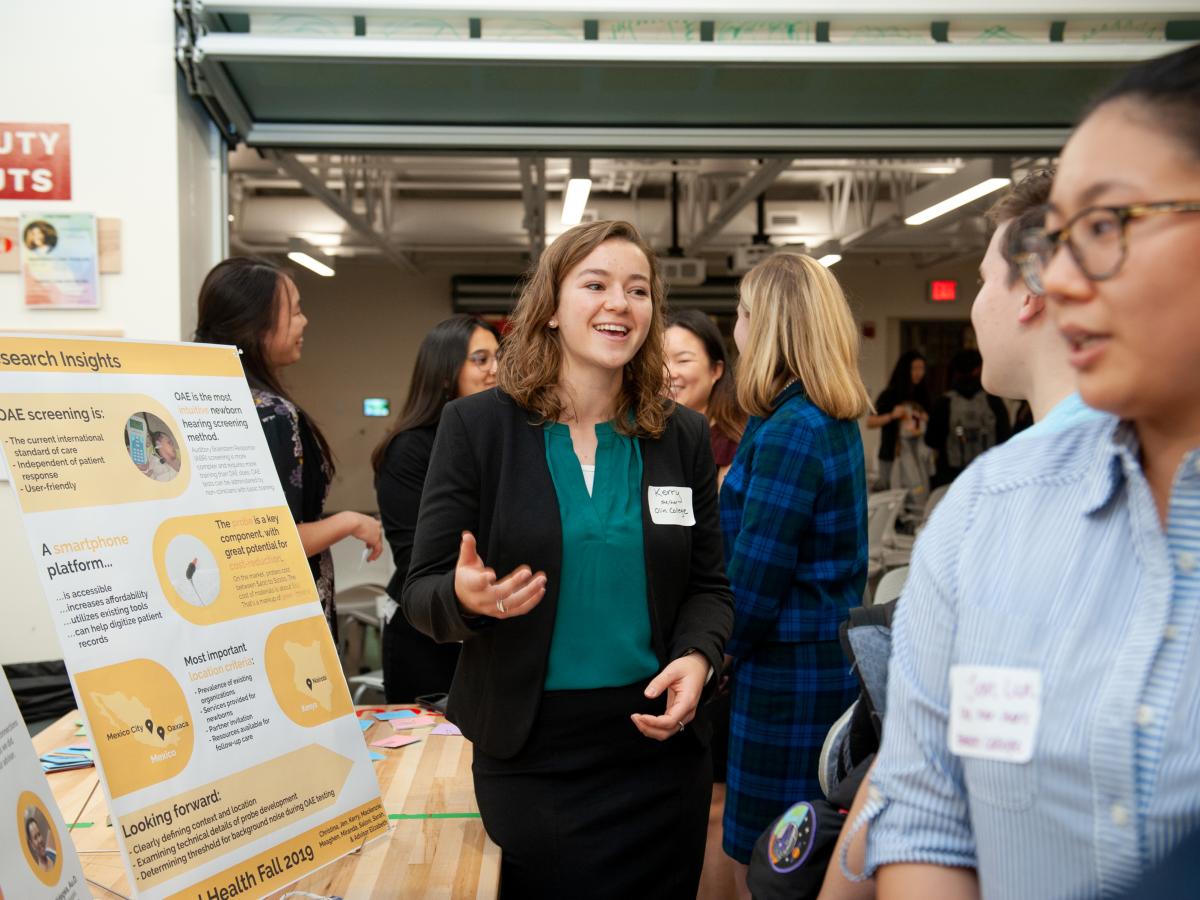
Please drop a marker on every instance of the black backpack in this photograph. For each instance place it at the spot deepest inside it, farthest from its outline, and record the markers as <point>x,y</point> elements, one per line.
<point>972,428</point>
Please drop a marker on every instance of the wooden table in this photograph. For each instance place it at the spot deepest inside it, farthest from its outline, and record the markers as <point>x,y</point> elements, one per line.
<point>435,846</point>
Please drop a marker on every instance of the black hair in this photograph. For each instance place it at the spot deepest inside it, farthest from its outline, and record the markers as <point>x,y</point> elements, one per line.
<point>434,381</point>
<point>963,365</point>
<point>239,305</point>
<point>901,386</point>
<point>1169,87</point>
<point>723,410</point>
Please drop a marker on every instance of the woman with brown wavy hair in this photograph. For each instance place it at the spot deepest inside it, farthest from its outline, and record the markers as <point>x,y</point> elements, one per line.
<point>582,667</point>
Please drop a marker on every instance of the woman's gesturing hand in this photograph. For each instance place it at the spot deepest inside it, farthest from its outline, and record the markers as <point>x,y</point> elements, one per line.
<point>683,680</point>
<point>368,530</point>
<point>480,594</point>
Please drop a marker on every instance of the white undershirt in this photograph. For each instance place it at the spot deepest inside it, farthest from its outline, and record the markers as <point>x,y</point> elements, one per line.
<point>589,476</point>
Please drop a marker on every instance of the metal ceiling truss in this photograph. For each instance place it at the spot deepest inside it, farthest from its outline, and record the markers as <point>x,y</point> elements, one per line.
<point>375,225</point>
<point>746,193</point>
<point>533,195</point>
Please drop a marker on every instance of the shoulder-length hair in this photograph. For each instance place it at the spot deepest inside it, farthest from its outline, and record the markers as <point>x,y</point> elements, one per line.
<point>239,304</point>
<point>723,410</point>
<point>801,328</point>
<point>434,381</point>
<point>532,362</point>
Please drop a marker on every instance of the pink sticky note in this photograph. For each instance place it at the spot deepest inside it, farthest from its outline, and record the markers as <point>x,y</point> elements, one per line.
<point>396,740</point>
<point>416,722</point>
<point>446,728</point>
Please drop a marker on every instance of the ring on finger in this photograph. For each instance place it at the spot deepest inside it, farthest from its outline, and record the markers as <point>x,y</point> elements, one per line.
<point>500,606</point>
<point>681,726</point>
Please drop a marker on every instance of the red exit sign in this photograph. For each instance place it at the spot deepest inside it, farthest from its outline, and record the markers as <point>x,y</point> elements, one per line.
<point>943,290</point>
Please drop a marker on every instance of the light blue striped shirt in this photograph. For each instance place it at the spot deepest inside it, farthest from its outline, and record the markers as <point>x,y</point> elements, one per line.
<point>1067,413</point>
<point>1049,554</point>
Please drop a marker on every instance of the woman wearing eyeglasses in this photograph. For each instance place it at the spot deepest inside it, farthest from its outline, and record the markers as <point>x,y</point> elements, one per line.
<point>457,358</point>
<point>1043,725</point>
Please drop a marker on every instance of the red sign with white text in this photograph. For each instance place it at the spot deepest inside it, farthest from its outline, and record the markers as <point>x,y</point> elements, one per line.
<point>35,161</point>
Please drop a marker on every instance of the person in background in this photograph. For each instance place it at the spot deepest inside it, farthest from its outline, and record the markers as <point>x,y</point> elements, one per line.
<point>458,358</point>
<point>569,537</point>
<point>1060,573</point>
<point>794,516</point>
<point>905,388</point>
<point>966,421</point>
<point>255,306</point>
<point>702,379</point>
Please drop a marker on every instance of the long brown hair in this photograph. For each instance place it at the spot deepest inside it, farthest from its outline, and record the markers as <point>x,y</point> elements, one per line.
<point>726,416</point>
<point>532,360</point>
<point>239,304</point>
<point>800,327</point>
<point>434,381</point>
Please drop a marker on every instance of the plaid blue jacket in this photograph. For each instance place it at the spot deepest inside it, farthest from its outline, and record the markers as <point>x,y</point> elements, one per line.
<point>794,518</point>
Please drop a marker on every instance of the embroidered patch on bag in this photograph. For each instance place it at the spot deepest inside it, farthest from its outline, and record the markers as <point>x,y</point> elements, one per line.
<point>792,838</point>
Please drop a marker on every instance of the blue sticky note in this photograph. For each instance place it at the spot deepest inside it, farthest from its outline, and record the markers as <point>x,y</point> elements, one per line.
<point>398,714</point>
<point>364,724</point>
<point>375,757</point>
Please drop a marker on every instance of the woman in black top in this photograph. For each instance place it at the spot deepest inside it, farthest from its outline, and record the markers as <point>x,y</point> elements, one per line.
<point>457,358</point>
<point>254,305</point>
<point>906,388</point>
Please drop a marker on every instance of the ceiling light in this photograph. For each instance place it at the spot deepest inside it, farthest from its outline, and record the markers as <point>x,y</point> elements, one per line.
<point>322,239</point>
<point>829,253</point>
<point>575,196</point>
<point>302,253</point>
<point>974,180</point>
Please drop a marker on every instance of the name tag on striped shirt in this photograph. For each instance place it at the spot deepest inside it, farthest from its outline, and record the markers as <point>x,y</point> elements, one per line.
<point>994,712</point>
<point>670,505</point>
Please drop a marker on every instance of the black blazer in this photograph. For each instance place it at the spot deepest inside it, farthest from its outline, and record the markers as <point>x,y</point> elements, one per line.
<point>488,475</point>
<point>398,485</point>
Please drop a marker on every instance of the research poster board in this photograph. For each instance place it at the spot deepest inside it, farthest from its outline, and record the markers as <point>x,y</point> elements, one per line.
<point>37,859</point>
<point>59,260</point>
<point>223,728</point>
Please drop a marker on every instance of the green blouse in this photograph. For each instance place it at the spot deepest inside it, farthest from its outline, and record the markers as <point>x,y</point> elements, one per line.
<point>602,627</point>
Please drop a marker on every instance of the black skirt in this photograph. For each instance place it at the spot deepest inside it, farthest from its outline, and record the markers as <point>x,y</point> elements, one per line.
<point>591,808</point>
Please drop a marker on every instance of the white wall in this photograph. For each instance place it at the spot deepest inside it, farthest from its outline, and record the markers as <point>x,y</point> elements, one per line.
<point>364,327</point>
<point>138,150</point>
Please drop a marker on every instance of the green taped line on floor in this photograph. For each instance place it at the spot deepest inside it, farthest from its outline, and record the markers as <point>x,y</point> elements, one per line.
<point>433,815</point>
<point>80,825</point>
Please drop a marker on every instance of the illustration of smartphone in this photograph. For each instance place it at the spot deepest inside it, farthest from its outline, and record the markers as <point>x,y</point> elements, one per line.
<point>137,440</point>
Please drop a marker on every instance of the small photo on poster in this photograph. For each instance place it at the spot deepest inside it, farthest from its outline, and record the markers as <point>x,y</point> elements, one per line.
<point>152,446</point>
<point>59,261</point>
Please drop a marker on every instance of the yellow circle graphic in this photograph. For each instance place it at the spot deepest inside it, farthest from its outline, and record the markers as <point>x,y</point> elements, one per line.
<point>39,840</point>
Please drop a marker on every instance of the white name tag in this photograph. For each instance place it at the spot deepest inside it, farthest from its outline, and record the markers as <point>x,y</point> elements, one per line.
<point>670,505</point>
<point>994,712</point>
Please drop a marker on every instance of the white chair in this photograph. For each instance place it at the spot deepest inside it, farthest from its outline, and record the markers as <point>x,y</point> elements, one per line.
<point>890,586</point>
<point>359,611</point>
<point>935,497</point>
<point>882,510</point>
<point>351,570</point>
<point>368,681</point>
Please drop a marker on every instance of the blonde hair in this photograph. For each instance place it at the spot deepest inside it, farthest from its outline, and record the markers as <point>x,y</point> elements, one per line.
<point>801,328</point>
<point>531,364</point>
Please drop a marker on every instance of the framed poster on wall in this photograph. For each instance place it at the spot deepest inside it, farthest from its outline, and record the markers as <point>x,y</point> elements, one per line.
<point>59,260</point>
